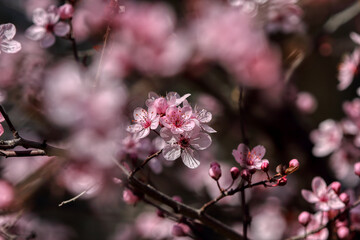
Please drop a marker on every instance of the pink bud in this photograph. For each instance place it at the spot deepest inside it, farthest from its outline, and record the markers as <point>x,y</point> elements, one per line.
<point>344,197</point>
<point>235,172</point>
<point>304,218</point>
<point>343,232</point>
<point>215,171</point>
<point>6,194</point>
<point>129,197</point>
<point>177,198</point>
<point>66,11</point>
<point>357,168</point>
<point>282,181</point>
<point>245,174</point>
<point>180,230</point>
<point>294,163</point>
<point>336,186</point>
<point>265,166</point>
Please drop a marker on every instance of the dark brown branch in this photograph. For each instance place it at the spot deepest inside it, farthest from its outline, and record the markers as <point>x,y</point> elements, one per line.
<point>22,153</point>
<point>9,123</point>
<point>181,208</point>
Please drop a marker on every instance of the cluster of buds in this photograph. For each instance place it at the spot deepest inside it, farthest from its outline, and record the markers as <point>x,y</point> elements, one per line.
<point>183,128</point>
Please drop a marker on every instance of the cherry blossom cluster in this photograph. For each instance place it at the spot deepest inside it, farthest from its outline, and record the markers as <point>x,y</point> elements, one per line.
<point>50,23</point>
<point>183,128</point>
<point>331,204</point>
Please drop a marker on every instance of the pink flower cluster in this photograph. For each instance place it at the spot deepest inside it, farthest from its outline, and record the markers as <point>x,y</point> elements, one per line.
<point>47,24</point>
<point>182,127</point>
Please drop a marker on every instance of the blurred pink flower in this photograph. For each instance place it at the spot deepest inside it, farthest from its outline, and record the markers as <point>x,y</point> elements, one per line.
<point>7,44</point>
<point>250,160</point>
<point>317,220</point>
<point>324,197</point>
<point>129,197</point>
<point>184,144</point>
<point>348,69</point>
<point>306,102</point>
<point>7,194</point>
<point>144,121</point>
<point>327,138</point>
<point>66,11</point>
<point>46,24</point>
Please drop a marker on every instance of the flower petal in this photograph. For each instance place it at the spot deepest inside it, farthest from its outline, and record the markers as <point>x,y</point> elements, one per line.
<point>7,31</point>
<point>201,142</point>
<point>140,114</point>
<point>144,132</point>
<point>171,152</point>
<point>309,196</point>
<point>11,46</point>
<point>1,130</point>
<point>61,29</point>
<point>40,17</point>
<point>134,128</point>
<point>35,32</point>
<point>189,158</point>
<point>207,128</point>
<point>258,152</point>
<point>318,186</point>
<point>240,154</point>
<point>166,134</point>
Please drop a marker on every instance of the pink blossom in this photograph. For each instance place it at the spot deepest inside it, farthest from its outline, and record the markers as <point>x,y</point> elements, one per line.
<point>178,119</point>
<point>304,218</point>
<point>215,170</point>
<point>7,194</point>
<point>317,220</point>
<point>7,44</point>
<point>343,232</point>
<point>235,172</point>
<point>247,6</point>
<point>327,138</point>
<point>180,230</point>
<point>294,163</point>
<point>336,186</point>
<point>324,197</point>
<point>203,117</point>
<point>250,160</point>
<point>355,37</point>
<point>161,104</point>
<point>348,68</point>
<point>357,168</point>
<point>144,121</point>
<point>46,24</point>
<point>284,16</point>
<point>306,102</point>
<point>129,197</point>
<point>184,144</point>
<point>66,11</point>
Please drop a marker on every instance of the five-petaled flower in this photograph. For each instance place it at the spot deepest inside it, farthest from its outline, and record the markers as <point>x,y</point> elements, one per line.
<point>250,160</point>
<point>144,121</point>
<point>46,24</point>
<point>184,144</point>
<point>7,44</point>
<point>324,197</point>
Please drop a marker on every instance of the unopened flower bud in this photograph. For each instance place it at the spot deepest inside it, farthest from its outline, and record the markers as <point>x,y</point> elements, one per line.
<point>7,194</point>
<point>304,218</point>
<point>265,166</point>
<point>336,186</point>
<point>215,171</point>
<point>180,230</point>
<point>357,168</point>
<point>129,197</point>
<point>66,11</point>
<point>177,198</point>
<point>245,174</point>
<point>235,172</point>
<point>294,163</point>
<point>343,232</point>
<point>344,197</point>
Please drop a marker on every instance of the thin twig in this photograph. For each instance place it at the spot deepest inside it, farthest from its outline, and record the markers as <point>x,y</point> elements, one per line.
<point>145,162</point>
<point>22,153</point>
<point>76,197</point>
<point>98,72</point>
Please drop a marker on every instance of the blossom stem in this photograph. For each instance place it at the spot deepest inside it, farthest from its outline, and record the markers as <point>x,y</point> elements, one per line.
<point>246,217</point>
<point>145,162</point>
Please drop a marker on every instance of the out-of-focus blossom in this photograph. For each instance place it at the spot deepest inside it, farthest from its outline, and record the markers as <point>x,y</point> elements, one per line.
<point>304,218</point>
<point>129,197</point>
<point>327,138</point>
<point>348,69</point>
<point>250,160</point>
<point>324,197</point>
<point>306,102</point>
<point>46,25</point>
<point>180,230</point>
<point>343,232</point>
<point>248,6</point>
<point>317,220</point>
<point>294,163</point>
<point>344,197</point>
<point>336,186</point>
<point>7,194</point>
<point>66,11</point>
<point>7,44</point>
<point>352,110</point>
<point>357,168</point>
<point>144,121</point>
<point>184,144</point>
<point>284,16</point>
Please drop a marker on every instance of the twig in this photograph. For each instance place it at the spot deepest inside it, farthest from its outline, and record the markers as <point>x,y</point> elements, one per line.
<point>145,162</point>
<point>74,198</point>
<point>23,153</point>
<point>9,123</point>
<point>181,208</point>
<point>98,72</point>
<point>342,17</point>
